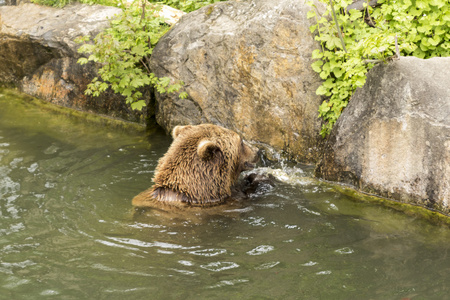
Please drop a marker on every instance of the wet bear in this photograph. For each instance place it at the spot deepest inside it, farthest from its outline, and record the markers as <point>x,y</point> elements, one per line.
<point>200,169</point>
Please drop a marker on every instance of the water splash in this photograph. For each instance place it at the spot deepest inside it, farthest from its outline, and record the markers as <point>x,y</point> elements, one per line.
<point>285,174</point>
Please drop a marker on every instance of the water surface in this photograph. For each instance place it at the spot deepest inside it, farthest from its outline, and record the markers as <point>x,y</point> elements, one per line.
<point>68,231</point>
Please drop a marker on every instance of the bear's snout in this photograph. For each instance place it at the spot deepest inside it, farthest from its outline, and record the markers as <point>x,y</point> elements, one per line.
<point>251,156</point>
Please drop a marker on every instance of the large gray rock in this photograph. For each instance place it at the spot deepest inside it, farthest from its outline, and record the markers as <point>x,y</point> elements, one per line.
<point>246,66</point>
<point>38,54</point>
<point>38,34</point>
<point>393,139</point>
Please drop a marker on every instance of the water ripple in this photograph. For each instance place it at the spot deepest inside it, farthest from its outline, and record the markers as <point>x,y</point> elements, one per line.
<point>208,252</point>
<point>51,150</point>
<point>228,283</point>
<point>7,185</point>
<point>186,263</point>
<point>102,267</point>
<point>345,250</point>
<point>17,265</point>
<point>257,221</point>
<point>33,167</point>
<point>220,266</point>
<point>327,272</point>
<point>15,162</point>
<point>17,248</point>
<point>155,244</point>
<point>111,244</point>
<point>143,225</point>
<point>115,291</point>
<point>304,209</point>
<point>49,293</point>
<point>184,272</point>
<point>267,265</point>
<point>263,249</point>
<point>13,228</point>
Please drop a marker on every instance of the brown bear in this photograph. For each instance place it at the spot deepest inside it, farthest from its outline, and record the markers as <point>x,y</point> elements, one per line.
<point>200,168</point>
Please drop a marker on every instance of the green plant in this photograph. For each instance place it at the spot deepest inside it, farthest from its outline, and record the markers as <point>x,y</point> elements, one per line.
<point>123,50</point>
<point>62,3</point>
<point>187,5</point>
<point>422,29</point>
<point>184,5</point>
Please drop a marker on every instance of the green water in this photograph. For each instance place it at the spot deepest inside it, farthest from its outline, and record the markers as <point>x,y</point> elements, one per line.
<point>68,231</point>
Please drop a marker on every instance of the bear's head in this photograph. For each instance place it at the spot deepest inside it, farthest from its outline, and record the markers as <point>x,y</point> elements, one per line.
<point>200,168</point>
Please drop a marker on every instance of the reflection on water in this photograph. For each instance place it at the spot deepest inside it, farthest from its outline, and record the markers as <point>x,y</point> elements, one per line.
<point>67,228</point>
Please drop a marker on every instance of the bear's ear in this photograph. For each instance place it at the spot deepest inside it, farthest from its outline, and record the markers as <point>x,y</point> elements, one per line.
<point>207,149</point>
<point>179,129</point>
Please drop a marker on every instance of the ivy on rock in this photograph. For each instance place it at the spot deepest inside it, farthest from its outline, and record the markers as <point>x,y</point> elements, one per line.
<point>352,41</point>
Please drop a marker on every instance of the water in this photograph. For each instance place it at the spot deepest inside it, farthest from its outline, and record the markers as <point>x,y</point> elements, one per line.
<point>68,231</point>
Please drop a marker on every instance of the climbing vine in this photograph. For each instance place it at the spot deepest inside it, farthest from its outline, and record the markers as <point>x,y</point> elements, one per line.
<point>352,41</point>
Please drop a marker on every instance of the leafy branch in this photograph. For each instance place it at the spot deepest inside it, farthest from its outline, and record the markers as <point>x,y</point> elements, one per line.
<point>123,51</point>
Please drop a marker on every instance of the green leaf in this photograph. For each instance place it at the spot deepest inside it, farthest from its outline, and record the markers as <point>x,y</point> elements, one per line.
<point>183,95</point>
<point>310,14</point>
<point>138,105</point>
<point>360,81</point>
<point>317,54</point>
<point>82,61</point>
<point>434,41</point>
<point>355,14</point>
<point>422,4</point>
<point>438,3</point>
<point>321,90</point>
<point>338,72</point>
<point>93,58</point>
<point>127,92</point>
<point>316,66</point>
<point>164,82</point>
<point>103,86</point>
<point>329,83</point>
<point>324,74</point>
<point>137,82</point>
<point>138,50</point>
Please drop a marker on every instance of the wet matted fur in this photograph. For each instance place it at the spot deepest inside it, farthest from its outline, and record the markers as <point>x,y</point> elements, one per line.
<point>200,168</point>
